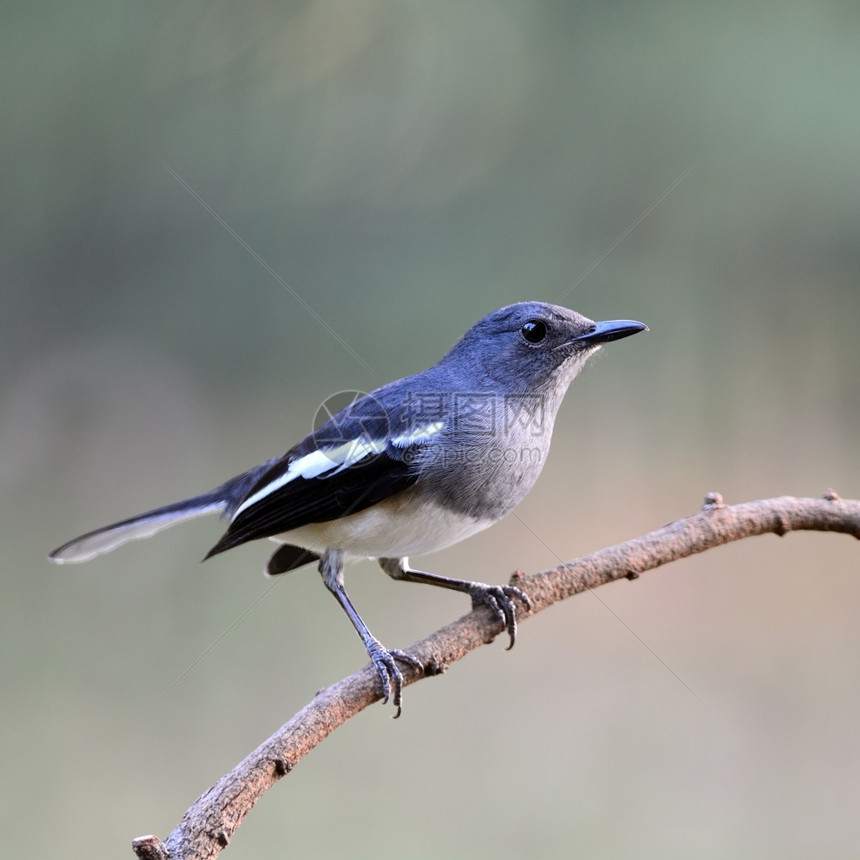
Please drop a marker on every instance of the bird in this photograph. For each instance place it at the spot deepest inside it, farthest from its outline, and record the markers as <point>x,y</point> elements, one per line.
<point>407,469</point>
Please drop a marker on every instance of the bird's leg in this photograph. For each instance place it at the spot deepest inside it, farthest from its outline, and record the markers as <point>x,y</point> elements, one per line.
<point>331,568</point>
<point>498,597</point>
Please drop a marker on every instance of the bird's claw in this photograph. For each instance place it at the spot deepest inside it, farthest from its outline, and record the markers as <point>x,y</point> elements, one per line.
<point>390,676</point>
<point>500,599</point>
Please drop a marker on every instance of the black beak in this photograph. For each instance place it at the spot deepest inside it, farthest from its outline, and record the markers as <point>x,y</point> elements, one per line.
<point>603,332</point>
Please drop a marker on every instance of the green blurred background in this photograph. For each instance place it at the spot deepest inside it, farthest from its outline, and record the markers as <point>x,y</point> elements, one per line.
<point>404,168</point>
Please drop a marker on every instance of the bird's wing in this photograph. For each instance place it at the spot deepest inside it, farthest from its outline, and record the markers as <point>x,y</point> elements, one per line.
<point>328,476</point>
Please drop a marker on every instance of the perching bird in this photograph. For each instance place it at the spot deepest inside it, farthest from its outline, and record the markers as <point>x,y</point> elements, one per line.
<point>412,467</point>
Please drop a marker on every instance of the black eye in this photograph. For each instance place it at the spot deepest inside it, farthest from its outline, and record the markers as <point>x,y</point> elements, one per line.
<point>534,331</point>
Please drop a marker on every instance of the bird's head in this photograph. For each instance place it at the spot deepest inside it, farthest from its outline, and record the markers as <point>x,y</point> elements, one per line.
<point>530,345</point>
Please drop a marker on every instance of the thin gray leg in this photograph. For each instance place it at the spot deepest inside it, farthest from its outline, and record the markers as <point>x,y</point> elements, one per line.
<point>331,569</point>
<point>497,597</point>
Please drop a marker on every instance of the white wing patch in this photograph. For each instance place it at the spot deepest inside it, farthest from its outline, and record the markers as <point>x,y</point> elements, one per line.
<point>330,461</point>
<point>319,462</point>
<point>418,435</point>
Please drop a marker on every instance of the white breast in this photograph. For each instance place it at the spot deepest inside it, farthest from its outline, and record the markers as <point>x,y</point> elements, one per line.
<point>400,526</point>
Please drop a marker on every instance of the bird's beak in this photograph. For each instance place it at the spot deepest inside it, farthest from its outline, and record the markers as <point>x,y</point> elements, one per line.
<point>603,332</point>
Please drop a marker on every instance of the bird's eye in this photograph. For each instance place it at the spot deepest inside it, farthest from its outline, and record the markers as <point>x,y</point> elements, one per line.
<point>534,331</point>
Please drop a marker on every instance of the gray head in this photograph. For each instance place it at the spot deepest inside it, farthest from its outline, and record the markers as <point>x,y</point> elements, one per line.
<point>529,346</point>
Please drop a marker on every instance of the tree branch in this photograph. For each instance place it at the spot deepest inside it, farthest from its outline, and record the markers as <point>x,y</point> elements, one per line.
<point>209,824</point>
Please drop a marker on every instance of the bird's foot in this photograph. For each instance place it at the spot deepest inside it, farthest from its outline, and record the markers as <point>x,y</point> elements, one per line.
<point>500,599</point>
<point>390,677</point>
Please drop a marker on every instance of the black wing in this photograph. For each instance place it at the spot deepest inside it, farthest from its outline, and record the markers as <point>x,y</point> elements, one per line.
<point>338,492</point>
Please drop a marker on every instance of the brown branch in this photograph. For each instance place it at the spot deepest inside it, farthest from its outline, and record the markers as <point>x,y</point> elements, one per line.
<point>209,824</point>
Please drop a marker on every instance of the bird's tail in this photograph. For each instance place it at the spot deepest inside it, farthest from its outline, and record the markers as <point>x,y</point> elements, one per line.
<point>219,501</point>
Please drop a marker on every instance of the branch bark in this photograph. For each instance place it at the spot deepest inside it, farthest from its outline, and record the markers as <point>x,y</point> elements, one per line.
<point>207,827</point>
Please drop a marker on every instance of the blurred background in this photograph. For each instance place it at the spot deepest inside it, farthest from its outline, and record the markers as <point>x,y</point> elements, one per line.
<point>215,215</point>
